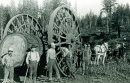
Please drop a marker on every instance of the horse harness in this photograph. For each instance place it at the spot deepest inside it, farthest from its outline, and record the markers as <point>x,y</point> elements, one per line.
<point>101,49</point>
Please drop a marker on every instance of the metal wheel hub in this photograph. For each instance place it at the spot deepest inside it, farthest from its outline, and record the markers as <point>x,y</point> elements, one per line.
<point>70,38</point>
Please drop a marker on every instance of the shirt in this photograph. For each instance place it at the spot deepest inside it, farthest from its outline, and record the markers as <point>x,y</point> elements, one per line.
<point>8,60</point>
<point>32,56</point>
<point>66,52</point>
<point>87,53</point>
<point>51,53</point>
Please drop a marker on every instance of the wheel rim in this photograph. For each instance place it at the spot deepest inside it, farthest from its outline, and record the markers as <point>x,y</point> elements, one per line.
<point>23,23</point>
<point>63,29</point>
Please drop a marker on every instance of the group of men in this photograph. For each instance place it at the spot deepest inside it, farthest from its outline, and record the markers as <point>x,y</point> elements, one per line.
<point>32,61</point>
<point>51,61</point>
<point>8,61</point>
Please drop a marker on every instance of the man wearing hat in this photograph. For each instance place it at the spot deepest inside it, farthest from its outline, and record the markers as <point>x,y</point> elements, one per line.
<point>51,62</point>
<point>86,58</point>
<point>8,63</point>
<point>67,54</point>
<point>32,63</point>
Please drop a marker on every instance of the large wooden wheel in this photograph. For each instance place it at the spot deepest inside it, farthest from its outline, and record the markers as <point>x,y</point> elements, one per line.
<point>21,32</point>
<point>23,23</point>
<point>63,29</point>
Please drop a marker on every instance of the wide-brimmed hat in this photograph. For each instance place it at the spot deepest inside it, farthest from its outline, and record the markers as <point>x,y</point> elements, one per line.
<point>52,44</point>
<point>33,46</point>
<point>10,49</point>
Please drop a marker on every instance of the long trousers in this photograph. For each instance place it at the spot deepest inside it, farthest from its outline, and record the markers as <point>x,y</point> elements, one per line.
<point>51,65</point>
<point>8,72</point>
<point>86,62</point>
<point>33,70</point>
<point>69,64</point>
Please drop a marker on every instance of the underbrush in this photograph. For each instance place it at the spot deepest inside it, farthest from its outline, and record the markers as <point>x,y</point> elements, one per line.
<point>112,70</point>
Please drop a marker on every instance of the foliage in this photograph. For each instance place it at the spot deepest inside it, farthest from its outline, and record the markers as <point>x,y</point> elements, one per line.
<point>47,9</point>
<point>117,18</point>
<point>29,7</point>
<point>13,9</point>
<point>108,9</point>
<point>88,23</point>
<point>5,16</point>
<point>121,20</point>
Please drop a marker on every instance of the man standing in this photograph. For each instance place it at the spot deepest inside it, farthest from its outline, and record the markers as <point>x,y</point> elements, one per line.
<point>8,63</point>
<point>32,63</point>
<point>67,53</point>
<point>51,62</point>
<point>86,58</point>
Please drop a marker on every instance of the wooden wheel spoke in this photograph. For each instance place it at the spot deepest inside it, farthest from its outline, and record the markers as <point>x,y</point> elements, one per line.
<point>58,53</point>
<point>64,68</point>
<point>11,31</point>
<point>22,20</point>
<point>77,36</point>
<point>60,29</point>
<point>66,24</point>
<point>59,18</point>
<point>20,29</point>
<point>59,36</point>
<point>63,32</point>
<point>60,43</point>
<point>32,22</point>
<point>76,33</point>
<point>28,22</point>
<point>19,24</point>
<point>61,60</point>
<point>36,27</point>
<point>15,28</point>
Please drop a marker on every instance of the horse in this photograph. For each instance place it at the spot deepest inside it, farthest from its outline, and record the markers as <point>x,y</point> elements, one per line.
<point>101,50</point>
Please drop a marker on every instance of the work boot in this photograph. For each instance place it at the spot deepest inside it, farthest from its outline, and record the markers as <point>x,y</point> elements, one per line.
<point>34,79</point>
<point>30,80</point>
<point>83,72</point>
<point>68,76</point>
<point>60,80</point>
<point>5,81</point>
<point>11,81</point>
<point>50,81</point>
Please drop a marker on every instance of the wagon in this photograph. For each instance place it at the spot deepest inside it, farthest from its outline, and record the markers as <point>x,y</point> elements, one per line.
<point>24,30</point>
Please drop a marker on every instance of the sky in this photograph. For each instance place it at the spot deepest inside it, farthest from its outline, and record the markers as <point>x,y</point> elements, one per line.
<point>83,6</point>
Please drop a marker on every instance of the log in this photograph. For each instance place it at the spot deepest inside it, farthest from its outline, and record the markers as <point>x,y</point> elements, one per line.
<point>20,43</point>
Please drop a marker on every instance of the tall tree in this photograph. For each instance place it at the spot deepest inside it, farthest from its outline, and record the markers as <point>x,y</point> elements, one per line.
<point>1,21</point>
<point>13,11</point>
<point>4,17</point>
<point>88,23</point>
<point>121,18</point>
<point>46,10</point>
<point>29,7</point>
<point>108,8</point>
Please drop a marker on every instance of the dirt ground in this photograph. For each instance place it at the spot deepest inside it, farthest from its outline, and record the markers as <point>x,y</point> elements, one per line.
<point>110,73</point>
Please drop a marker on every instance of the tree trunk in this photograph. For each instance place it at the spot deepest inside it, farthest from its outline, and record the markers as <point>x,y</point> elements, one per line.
<point>1,27</point>
<point>107,29</point>
<point>118,30</point>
